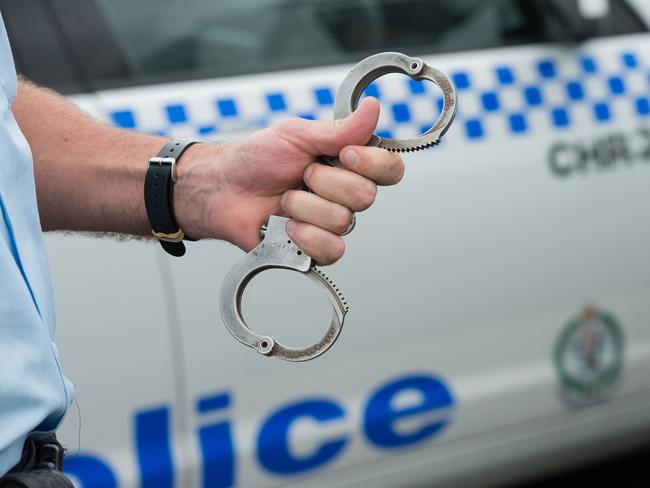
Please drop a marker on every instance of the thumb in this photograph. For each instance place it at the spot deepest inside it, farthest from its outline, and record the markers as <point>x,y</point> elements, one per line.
<point>327,138</point>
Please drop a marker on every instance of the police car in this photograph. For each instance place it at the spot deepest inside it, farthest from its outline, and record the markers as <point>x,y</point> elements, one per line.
<point>500,296</point>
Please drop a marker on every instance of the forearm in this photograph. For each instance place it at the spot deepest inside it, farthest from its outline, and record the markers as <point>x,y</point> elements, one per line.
<point>89,176</point>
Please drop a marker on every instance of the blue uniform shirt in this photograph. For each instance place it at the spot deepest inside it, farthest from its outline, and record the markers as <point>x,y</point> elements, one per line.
<point>34,395</point>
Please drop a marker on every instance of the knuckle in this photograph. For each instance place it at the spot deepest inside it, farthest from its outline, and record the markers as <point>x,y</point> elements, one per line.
<point>366,196</point>
<point>291,130</point>
<point>286,202</point>
<point>338,249</point>
<point>294,232</point>
<point>285,125</point>
<point>342,221</point>
<point>294,123</point>
<point>312,174</point>
<point>335,250</point>
<point>398,169</point>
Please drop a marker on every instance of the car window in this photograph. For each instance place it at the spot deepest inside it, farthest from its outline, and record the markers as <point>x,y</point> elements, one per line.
<point>178,39</point>
<point>37,46</point>
<point>150,41</point>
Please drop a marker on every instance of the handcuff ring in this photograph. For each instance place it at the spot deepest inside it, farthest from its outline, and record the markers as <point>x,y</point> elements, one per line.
<point>277,251</point>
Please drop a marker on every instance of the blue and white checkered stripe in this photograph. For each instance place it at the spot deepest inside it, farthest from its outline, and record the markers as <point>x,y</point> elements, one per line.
<point>555,93</point>
<point>551,92</point>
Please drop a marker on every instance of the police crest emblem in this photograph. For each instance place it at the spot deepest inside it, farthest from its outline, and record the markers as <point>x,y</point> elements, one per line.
<point>589,357</point>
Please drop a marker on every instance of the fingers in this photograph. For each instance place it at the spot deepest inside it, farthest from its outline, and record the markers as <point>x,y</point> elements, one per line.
<point>313,209</point>
<point>355,189</point>
<point>381,166</point>
<point>323,246</point>
<point>329,137</point>
<point>338,185</point>
<point>319,218</point>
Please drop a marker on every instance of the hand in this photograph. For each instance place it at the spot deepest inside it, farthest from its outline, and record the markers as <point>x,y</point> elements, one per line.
<point>228,191</point>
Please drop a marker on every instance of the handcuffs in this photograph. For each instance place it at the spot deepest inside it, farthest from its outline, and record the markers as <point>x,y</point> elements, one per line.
<point>277,251</point>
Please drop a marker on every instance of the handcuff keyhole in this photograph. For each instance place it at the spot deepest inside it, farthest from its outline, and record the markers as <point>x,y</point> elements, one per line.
<point>414,65</point>
<point>299,253</point>
<point>264,344</point>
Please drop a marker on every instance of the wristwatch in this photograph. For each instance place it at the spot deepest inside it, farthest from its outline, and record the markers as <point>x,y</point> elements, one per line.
<point>159,197</point>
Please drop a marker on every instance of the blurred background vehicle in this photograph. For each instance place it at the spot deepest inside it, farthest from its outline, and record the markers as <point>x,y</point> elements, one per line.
<point>500,295</point>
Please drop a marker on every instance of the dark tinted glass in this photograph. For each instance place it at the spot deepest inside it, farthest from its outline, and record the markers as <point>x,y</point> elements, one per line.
<point>149,41</point>
<point>182,39</point>
<point>38,46</point>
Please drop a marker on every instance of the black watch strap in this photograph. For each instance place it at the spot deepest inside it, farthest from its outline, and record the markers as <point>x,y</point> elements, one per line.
<point>159,197</point>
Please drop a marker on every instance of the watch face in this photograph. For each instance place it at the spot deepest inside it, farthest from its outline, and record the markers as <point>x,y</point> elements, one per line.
<point>588,357</point>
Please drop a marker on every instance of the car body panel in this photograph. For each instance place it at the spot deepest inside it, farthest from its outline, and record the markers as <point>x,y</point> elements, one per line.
<point>466,273</point>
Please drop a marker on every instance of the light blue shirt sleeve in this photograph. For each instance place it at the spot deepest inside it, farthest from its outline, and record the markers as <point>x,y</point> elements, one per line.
<point>34,395</point>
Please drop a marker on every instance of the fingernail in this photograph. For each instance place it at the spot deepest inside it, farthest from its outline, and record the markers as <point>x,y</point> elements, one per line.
<point>350,157</point>
<point>291,225</point>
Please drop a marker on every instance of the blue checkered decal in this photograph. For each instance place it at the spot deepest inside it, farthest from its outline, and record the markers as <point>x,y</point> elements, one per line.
<point>548,93</point>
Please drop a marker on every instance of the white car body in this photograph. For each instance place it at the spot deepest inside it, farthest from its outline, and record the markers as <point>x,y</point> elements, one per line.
<point>461,281</point>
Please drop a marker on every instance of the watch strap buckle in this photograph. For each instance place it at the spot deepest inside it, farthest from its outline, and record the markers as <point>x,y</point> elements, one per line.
<point>160,161</point>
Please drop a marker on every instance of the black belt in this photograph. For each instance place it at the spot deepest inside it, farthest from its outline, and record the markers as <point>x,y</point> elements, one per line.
<point>39,467</point>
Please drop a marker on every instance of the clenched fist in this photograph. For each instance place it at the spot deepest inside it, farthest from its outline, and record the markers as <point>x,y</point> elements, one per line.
<point>228,191</point>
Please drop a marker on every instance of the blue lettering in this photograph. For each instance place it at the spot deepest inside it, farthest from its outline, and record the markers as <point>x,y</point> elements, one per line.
<point>272,441</point>
<point>90,471</point>
<point>152,443</point>
<point>217,446</point>
<point>381,414</point>
<point>385,410</point>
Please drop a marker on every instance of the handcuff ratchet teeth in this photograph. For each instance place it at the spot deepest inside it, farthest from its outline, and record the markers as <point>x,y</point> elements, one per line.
<point>277,251</point>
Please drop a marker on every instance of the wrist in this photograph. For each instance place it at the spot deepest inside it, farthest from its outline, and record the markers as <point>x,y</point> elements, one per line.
<point>199,191</point>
